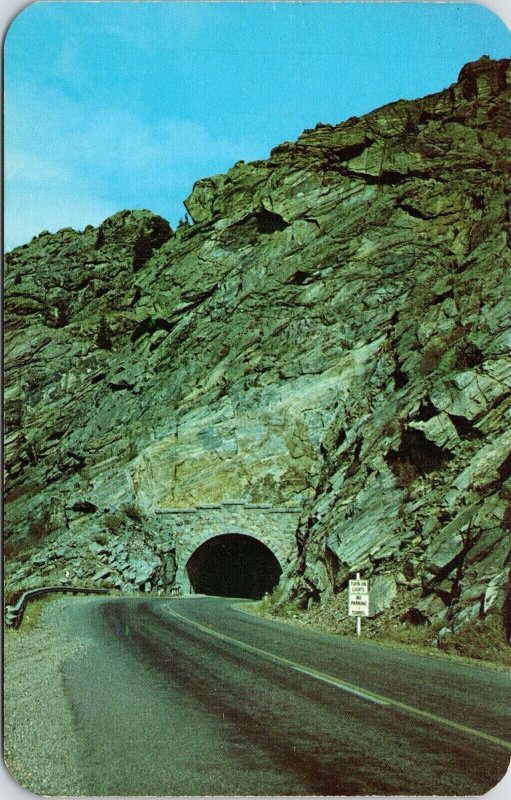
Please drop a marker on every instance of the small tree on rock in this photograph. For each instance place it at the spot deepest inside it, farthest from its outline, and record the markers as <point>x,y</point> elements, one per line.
<point>104,335</point>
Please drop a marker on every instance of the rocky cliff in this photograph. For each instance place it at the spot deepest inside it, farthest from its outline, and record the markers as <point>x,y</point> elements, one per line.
<point>332,332</point>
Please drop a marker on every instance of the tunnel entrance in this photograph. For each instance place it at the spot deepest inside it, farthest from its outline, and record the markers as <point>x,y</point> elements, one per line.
<point>233,565</point>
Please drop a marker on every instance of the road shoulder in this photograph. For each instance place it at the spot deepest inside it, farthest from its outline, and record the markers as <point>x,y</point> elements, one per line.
<point>263,611</point>
<point>39,742</point>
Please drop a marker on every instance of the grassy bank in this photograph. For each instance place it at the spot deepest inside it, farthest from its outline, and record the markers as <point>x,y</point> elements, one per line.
<point>481,640</point>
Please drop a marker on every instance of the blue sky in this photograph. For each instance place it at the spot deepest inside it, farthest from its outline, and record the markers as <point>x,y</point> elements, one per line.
<point>125,105</point>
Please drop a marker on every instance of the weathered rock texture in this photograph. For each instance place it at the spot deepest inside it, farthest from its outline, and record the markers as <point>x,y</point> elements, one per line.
<point>332,332</point>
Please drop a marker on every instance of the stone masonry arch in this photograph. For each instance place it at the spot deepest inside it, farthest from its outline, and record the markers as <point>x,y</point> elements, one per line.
<point>189,528</point>
<point>184,554</point>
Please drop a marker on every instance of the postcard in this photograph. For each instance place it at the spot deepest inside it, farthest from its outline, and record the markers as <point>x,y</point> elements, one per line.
<point>257,399</point>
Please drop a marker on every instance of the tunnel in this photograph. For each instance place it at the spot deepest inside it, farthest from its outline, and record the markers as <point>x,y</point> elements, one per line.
<point>233,565</point>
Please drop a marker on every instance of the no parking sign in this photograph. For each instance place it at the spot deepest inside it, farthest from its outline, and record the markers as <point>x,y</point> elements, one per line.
<point>358,598</point>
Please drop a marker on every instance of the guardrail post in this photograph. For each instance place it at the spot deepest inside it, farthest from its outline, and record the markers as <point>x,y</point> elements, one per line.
<point>14,614</point>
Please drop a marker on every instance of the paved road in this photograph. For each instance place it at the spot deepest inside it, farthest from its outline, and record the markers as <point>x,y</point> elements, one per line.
<point>194,696</point>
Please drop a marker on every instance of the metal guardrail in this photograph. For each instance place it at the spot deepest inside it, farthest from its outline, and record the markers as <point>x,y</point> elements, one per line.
<point>14,614</point>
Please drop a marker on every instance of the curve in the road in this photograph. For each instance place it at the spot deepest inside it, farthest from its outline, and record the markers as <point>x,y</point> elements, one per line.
<point>192,696</point>
<point>345,686</point>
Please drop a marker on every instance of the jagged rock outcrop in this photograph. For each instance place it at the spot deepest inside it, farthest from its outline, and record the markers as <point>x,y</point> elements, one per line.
<point>332,331</point>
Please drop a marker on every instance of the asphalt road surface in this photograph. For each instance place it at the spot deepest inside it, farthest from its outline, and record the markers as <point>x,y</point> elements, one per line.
<point>194,696</point>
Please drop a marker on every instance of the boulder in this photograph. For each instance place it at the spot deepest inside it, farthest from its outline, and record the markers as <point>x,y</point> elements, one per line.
<point>142,568</point>
<point>438,430</point>
<point>100,575</point>
<point>495,591</point>
<point>449,543</point>
<point>382,591</point>
<point>487,465</point>
<point>471,394</point>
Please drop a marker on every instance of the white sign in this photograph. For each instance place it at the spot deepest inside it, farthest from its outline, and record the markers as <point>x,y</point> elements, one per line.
<point>358,605</point>
<point>358,600</point>
<point>359,587</point>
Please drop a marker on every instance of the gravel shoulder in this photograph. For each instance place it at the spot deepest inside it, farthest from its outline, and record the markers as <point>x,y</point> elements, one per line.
<point>39,741</point>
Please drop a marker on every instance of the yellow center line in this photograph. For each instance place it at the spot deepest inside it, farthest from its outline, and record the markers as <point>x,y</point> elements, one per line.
<point>346,686</point>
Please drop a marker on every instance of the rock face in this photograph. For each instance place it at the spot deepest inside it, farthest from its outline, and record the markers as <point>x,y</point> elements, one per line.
<point>332,332</point>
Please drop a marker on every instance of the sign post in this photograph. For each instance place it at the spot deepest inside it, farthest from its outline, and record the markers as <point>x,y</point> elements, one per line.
<point>358,600</point>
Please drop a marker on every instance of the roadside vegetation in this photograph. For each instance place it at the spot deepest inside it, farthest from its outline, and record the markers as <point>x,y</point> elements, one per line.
<point>481,639</point>
<point>33,613</point>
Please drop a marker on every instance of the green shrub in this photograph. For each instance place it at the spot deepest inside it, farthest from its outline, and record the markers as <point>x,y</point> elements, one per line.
<point>114,522</point>
<point>41,526</point>
<point>26,490</point>
<point>142,251</point>
<point>405,473</point>
<point>507,517</point>
<point>468,356</point>
<point>430,358</point>
<point>100,537</point>
<point>16,548</point>
<point>100,239</point>
<point>104,336</point>
<point>482,638</point>
<point>133,512</point>
<point>390,427</point>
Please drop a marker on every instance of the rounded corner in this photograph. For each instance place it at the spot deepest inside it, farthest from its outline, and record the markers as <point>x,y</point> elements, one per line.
<point>496,10</point>
<point>10,24</point>
<point>8,775</point>
<point>497,791</point>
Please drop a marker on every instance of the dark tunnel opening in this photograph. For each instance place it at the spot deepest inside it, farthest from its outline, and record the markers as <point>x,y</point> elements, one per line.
<point>233,565</point>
